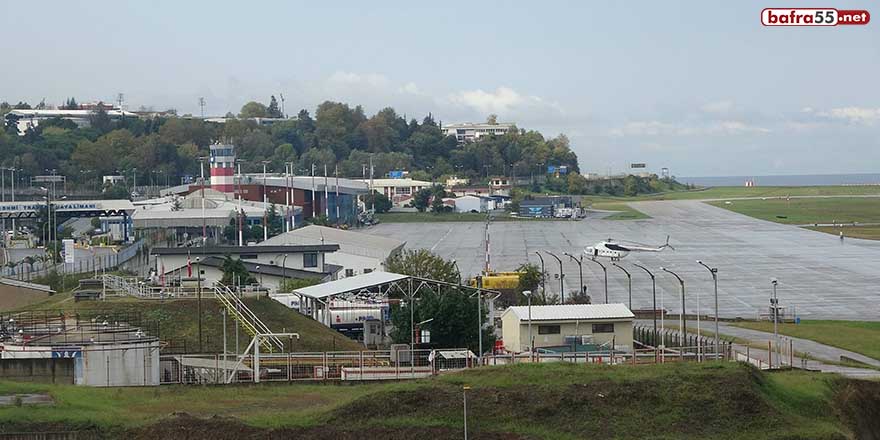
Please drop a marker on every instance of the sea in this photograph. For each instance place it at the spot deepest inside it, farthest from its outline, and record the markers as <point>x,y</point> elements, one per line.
<point>786,180</point>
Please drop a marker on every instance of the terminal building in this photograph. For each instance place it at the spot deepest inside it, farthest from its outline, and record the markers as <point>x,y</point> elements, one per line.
<point>314,196</point>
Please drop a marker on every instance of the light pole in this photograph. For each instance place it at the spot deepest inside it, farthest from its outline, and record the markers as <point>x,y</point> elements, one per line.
<point>654,298</point>
<point>714,272</point>
<point>283,269</point>
<point>543,281</point>
<point>464,391</point>
<point>774,304</point>
<point>561,278</point>
<point>580,263</point>
<point>605,270</point>
<point>681,319</point>
<point>199,293</point>
<point>265,206</point>
<point>528,294</point>
<point>629,281</point>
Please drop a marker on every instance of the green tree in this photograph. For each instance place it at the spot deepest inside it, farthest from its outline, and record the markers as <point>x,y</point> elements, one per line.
<point>422,199</point>
<point>453,311</point>
<point>234,270</point>
<point>273,111</point>
<point>253,109</point>
<point>379,200</point>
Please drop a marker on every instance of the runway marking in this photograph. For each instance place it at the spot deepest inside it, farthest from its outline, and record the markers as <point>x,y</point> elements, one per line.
<point>441,239</point>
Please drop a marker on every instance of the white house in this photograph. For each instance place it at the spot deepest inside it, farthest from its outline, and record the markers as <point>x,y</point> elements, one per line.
<point>471,203</point>
<point>358,253</point>
<point>566,324</point>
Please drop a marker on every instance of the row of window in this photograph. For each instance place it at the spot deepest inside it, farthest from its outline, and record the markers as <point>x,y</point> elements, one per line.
<point>555,329</point>
<point>310,259</point>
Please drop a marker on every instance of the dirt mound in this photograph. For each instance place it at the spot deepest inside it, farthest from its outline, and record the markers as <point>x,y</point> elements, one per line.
<point>702,406</point>
<point>857,403</point>
<point>186,427</point>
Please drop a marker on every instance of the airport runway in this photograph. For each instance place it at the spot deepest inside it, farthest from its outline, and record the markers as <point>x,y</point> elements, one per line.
<point>818,275</point>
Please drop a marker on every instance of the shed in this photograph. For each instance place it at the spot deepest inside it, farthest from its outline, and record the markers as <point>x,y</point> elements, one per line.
<point>567,325</point>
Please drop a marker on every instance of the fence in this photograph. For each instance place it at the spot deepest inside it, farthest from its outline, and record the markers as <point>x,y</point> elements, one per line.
<point>309,366</point>
<point>25,271</point>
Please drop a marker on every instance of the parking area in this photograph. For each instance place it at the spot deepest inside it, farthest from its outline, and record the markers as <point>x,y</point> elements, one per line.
<point>819,276</point>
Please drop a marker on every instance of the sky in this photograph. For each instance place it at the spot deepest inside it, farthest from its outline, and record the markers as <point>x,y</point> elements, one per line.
<point>698,87</point>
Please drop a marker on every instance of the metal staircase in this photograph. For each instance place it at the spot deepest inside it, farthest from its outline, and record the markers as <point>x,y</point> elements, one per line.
<point>126,286</point>
<point>248,320</point>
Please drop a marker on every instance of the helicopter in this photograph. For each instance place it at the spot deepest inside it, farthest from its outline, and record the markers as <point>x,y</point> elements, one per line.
<point>615,251</point>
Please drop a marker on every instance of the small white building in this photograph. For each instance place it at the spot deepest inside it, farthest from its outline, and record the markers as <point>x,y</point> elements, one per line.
<point>467,132</point>
<point>358,253</point>
<point>567,324</point>
<point>472,203</point>
<point>398,189</point>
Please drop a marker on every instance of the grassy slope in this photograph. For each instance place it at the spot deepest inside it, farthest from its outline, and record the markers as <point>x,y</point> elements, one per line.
<point>177,321</point>
<point>866,232</point>
<point>562,401</point>
<point>858,336</point>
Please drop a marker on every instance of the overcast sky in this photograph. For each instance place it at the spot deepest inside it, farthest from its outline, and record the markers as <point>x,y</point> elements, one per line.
<point>699,87</point>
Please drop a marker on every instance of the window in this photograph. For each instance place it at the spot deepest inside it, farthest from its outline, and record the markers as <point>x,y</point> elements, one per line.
<point>349,272</point>
<point>310,260</point>
<point>603,328</point>
<point>548,330</point>
<point>367,270</point>
<point>248,256</point>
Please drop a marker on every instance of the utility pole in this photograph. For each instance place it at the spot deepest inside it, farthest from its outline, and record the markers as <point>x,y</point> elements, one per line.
<point>561,278</point>
<point>265,205</point>
<point>714,272</point>
<point>202,191</point>
<point>543,281</point>
<point>654,297</point>
<point>337,194</point>
<point>580,263</point>
<point>326,195</point>
<point>605,271</point>
<point>774,304</point>
<point>682,322</point>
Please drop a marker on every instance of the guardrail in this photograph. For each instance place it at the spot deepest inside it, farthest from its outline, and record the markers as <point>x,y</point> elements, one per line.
<point>246,318</point>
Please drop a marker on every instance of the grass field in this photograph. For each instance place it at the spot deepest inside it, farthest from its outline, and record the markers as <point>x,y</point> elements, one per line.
<point>858,336</point>
<point>175,321</point>
<point>554,401</point>
<point>866,232</point>
<point>731,192</point>
<point>807,211</point>
<point>624,211</point>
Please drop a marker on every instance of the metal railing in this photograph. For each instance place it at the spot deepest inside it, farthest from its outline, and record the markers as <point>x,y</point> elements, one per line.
<point>246,318</point>
<point>306,366</point>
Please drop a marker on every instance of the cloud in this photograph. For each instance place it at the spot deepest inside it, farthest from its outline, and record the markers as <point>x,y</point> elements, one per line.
<point>711,128</point>
<point>503,101</point>
<point>854,115</point>
<point>717,107</point>
<point>349,78</point>
<point>411,88</point>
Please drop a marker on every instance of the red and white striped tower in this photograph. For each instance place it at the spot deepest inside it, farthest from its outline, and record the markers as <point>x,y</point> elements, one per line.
<point>223,168</point>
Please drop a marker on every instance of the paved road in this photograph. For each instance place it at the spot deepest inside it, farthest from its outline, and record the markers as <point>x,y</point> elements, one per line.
<point>818,276</point>
<point>813,348</point>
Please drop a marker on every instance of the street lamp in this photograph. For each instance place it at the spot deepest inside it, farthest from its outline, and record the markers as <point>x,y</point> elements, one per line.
<point>774,304</point>
<point>604,269</point>
<point>681,319</point>
<point>199,293</point>
<point>714,272</point>
<point>458,270</point>
<point>561,278</point>
<point>654,297</point>
<point>580,263</point>
<point>543,281</point>
<point>464,390</point>
<point>629,280</point>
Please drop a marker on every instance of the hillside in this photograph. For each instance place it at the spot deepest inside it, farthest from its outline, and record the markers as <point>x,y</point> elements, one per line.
<point>175,321</point>
<point>556,401</point>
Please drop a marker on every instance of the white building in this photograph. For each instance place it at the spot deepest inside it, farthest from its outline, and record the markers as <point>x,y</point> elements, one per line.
<point>472,203</point>
<point>269,263</point>
<point>358,253</point>
<point>467,132</point>
<point>26,119</point>
<point>398,190</point>
<point>567,324</point>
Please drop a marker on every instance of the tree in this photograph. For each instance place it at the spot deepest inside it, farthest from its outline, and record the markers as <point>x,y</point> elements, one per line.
<point>492,119</point>
<point>234,271</point>
<point>253,109</point>
<point>422,199</point>
<point>377,201</point>
<point>452,311</point>
<point>273,111</point>
<point>274,221</point>
<point>100,120</point>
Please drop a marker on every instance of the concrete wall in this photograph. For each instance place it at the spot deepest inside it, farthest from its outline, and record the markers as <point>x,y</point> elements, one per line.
<point>516,336</point>
<point>57,371</point>
<point>120,365</point>
<point>357,263</point>
<point>293,261</point>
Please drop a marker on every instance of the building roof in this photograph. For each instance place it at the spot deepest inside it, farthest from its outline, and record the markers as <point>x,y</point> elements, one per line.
<point>236,250</point>
<point>276,270</point>
<point>350,242</point>
<point>356,283</point>
<point>572,312</point>
<point>405,182</point>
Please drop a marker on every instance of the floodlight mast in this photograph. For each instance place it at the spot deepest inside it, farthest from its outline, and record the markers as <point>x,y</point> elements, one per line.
<point>714,272</point>
<point>682,321</point>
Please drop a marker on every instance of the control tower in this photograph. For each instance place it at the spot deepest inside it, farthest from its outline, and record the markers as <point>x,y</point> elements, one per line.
<point>223,168</point>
